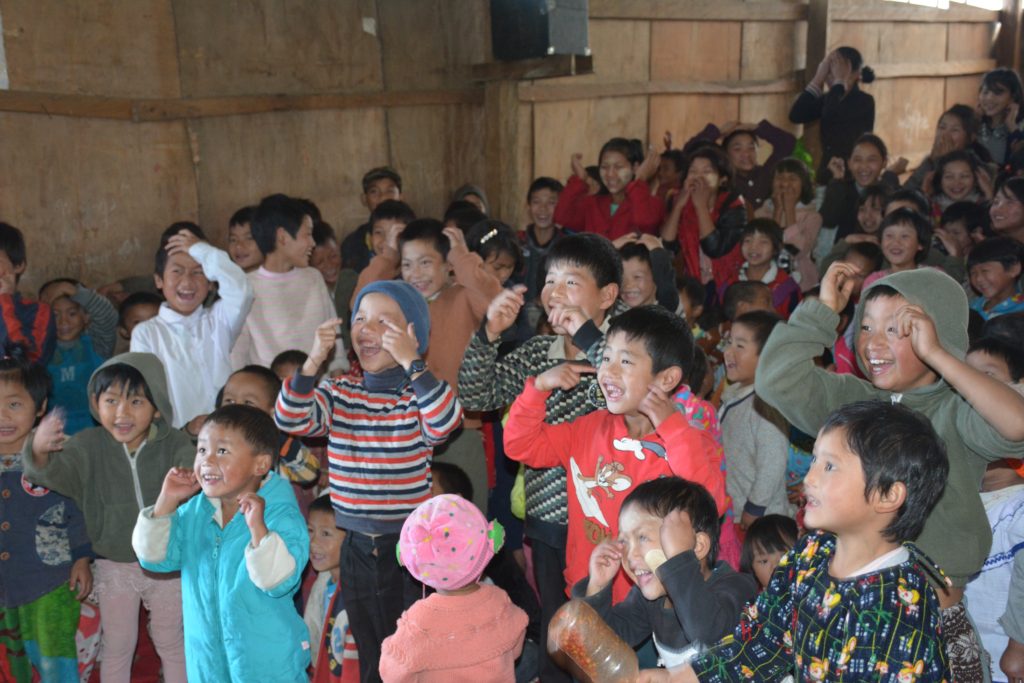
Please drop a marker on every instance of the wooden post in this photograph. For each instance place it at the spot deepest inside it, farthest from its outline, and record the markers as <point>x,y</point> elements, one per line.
<point>1008,43</point>
<point>819,24</point>
<point>501,136</point>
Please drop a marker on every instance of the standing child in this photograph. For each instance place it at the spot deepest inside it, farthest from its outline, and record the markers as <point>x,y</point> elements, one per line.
<point>46,554</point>
<point>111,472</point>
<point>624,204</point>
<point>995,269</point>
<point>335,658</point>
<point>241,246</point>
<point>240,548</point>
<point>761,245</point>
<point>467,630</point>
<point>381,432</point>
<point>290,298</point>
<point>194,342</point>
<point>768,539</point>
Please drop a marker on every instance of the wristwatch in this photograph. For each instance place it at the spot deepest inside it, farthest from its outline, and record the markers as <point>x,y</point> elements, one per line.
<point>415,367</point>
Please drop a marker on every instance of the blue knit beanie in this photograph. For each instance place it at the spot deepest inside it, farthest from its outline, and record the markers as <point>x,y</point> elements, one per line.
<point>412,303</point>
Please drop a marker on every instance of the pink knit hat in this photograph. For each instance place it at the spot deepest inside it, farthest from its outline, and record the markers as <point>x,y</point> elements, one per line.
<point>446,542</point>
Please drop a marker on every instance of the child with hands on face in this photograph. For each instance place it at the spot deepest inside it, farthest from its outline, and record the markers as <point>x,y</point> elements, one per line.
<point>240,547</point>
<point>682,594</point>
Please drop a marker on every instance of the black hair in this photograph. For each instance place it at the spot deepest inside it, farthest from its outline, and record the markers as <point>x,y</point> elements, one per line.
<point>452,479</point>
<point>874,141</point>
<point>271,382</point>
<point>735,134</point>
<point>916,197</point>
<point>974,216</point>
<point>853,56</point>
<point>637,250</point>
<point>543,183</point>
<point>666,337</point>
<point>664,495</point>
<point>975,325</point>
<point>57,281</point>
<point>698,371</point>
<point>257,428</point>
<point>632,149</point>
<point>16,368</point>
<point>126,377</point>
<point>321,504</point>
<point>876,191</point>
<point>1004,78</point>
<point>276,211</point>
<point>769,534</point>
<point>718,159</point>
<point>242,216</point>
<point>12,243</point>
<point>490,238</point>
<point>870,251</point>
<point>322,232</point>
<point>589,251</point>
<point>310,209</point>
<point>594,173</point>
<point>745,291</point>
<point>882,292</point>
<point>290,356</point>
<point>1006,251</point>
<point>968,119</point>
<point>768,228</point>
<point>799,169</point>
<point>1009,328</point>
<point>393,210</point>
<point>136,299</point>
<point>677,158</point>
<point>761,323</point>
<point>160,260</point>
<point>957,155</point>
<point>697,293</point>
<point>1012,355</point>
<point>381,173</point>
<point>895,444</point>
<point>428,230</point>
<point>922,226</point>
<point>463,214</point>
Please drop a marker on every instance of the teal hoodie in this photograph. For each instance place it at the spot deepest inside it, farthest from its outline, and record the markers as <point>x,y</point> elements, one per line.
<point>107,482</point>
<point>957,534</point>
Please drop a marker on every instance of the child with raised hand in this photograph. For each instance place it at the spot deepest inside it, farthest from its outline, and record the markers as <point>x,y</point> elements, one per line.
<point>755,436</point>
<point>640,435</point>
<point>956,130</point>
<point>467,630</point>
<point>994,266</point>
<point>791,206</point>
<point>999,101</point>
<point>767,540</point>
<point>45,571</point>
<point>855,600</point>
<point>624,204</point>
<point>192,341</point>
<point>381,429</point>
<point>910,337</point>
<point>849,177</point>
<point>761,245</point>
<point>241,547</point>
<point>335,657</point>
<point>682,594</point>
<point>111,472</point>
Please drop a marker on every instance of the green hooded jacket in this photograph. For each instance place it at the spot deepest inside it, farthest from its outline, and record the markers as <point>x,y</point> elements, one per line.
<point>107,482</point>
<point>957,534</point>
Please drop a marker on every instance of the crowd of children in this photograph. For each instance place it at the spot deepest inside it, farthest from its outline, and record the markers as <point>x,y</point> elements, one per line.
<point>763,413</point>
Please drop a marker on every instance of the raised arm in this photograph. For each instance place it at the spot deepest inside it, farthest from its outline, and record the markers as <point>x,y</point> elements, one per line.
<point>527,438</point>
<point>102,320</point>
<point>234,288</point>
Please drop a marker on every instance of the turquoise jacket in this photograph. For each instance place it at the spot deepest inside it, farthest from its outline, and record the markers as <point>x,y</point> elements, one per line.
<point>235,631</point>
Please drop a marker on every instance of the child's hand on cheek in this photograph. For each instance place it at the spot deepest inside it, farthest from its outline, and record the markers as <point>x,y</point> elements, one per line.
<point>251,505</point>
<point>179,485</point>
<point>605,561</point>
<point>677,534</point>
<point>401,344</point>
<point>657,405</point>
<point>564,376</point>
<point>913,322</point>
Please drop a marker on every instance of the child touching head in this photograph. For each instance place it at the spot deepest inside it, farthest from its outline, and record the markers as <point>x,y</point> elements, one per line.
<point>241,246</point>
<point>767,540</point>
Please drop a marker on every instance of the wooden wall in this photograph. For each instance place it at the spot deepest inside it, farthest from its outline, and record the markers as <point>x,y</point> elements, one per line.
<point>124,115</point>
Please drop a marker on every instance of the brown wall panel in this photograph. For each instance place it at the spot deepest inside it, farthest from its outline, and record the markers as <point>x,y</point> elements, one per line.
<point>686,115</point>
<point>695,51</point>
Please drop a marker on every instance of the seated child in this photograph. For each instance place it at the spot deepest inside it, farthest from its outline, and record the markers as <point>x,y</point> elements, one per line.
<point>336,659</point>
<point>467,630</point>
<point>866,258</point>
<point>647,273</point>
<point>755,435</point>
<point>290,298</point>
<point>761,245</point>
<point>640,434</point>
<point>767,540</point>
<point>241,246</point>
<point>240,547</point>
<point>45,570</point>
<point>24,322</point>
<point>111,472</point>
<point>959,177</point>
<point>380,185</point>
<point>995,268</point>
<point>850,177</point>
<point>906,237</point>
<point>194,342</point>
<point>792,206</point>
<point>381,429</point>
<point>854,600</point>
<point>870,212</point>
<point>135,308</point>
<point>667,544</point>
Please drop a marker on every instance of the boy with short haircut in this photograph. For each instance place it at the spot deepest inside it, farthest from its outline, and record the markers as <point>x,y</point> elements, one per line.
<point>639,436</point>
<point>291,300</point>
<point>22,321</point>
<point>540,234</point>
<point>326,258</point>
<point>910,338</point>
<point>241,246</point>
<point>135,308</point>
<point>240,547</point>
<point>682,593</point>
<point>381,430</point>
<point>647,273</point>
<point>994,266</point>
<point>335,658</point>
<point>192,341</point>
<point>379,185</point>
<point>854,600</point>
<point>580,295</point>
<point>997,359</point>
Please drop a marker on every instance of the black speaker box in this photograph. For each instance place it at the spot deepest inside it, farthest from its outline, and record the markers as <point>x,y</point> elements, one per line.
<point>524,29</point>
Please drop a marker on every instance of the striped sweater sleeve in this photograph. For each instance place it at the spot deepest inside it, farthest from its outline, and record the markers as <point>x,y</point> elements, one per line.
<point>440,410</point>
<point>302,408</point>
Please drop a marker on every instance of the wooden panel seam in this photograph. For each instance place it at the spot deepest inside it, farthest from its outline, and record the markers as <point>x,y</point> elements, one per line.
<point>776,10</point>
